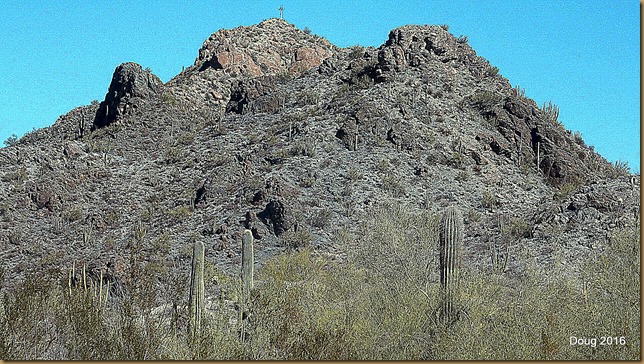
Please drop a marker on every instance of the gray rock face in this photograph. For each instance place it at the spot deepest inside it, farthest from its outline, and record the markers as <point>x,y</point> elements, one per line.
<point>130,84</point>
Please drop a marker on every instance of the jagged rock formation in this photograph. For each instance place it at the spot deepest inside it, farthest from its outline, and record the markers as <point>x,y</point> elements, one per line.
<point>275,130</point>
<point>273,47</point>
<point>130,85</point>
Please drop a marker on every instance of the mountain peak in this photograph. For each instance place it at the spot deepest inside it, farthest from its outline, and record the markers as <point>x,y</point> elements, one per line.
<point>271,47</point>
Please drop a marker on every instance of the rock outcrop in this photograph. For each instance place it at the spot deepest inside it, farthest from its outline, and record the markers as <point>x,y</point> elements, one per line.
<point>130,85</point>
<point>272,47</point>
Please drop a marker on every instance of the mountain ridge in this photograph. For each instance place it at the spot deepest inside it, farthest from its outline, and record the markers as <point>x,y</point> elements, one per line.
<point>278,131</point>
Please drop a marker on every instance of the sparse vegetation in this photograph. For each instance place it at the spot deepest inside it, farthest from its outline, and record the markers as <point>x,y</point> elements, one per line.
<point>17,177</point>
<point>321,218</point>
<point>393,185</point>
<point>354,174</point>
<point>551,112</point>
<point>492,71</point>
<point>11,141</point>
<point>296,239</point>
<point>489,200</point>
<point>379,305</point>
<point>621,168</point>
<point>567,189</point>
<point>485,98</point>
<point>169,99</point>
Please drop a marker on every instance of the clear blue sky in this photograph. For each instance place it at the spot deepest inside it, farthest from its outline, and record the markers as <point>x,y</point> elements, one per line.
<point>583,55</point>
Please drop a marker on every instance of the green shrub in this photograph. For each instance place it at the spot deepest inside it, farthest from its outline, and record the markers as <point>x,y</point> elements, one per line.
<point>295,239</point>
<point>380,302</point>
<point>489,200</point>
<point>485,99</point>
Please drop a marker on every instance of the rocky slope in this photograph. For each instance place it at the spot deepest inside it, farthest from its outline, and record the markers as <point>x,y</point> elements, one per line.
<point>281,132</point>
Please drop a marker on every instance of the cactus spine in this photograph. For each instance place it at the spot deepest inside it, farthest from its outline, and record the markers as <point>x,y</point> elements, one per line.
<point>247,263</point>
<point>197,295</point>
<point>451,238</point>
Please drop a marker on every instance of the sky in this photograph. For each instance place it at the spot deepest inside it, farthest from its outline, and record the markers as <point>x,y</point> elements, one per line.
<point>584,56</point>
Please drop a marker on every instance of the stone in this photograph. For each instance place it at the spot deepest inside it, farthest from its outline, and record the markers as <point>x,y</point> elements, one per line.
<point>273,47</point>
<point>275,216</point>
<point>130,84</point>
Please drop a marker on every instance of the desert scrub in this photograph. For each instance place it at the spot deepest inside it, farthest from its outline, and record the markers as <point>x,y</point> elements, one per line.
<point>295,239</point>
<point>179,214</point>
<point>354,174</point>
<point>535,320</point>
<point>18,176</point>
<point>567,189</point>
<point>393,185</point>
<point>485,99</point>
<point>489,200</point>
<point>321,218</point>
<point>308,308</point>
<point>304,148</point>
<point>186,138</point>
<point>174,155</point>
<point>380,304</point>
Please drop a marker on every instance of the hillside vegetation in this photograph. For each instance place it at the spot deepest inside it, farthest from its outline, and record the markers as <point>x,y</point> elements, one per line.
<point>381,305</point>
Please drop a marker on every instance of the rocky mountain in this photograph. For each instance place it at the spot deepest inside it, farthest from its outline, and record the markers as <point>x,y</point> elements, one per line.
<point>278,131</point>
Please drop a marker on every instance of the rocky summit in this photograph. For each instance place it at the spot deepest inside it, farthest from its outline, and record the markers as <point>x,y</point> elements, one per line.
<point>278,131</point>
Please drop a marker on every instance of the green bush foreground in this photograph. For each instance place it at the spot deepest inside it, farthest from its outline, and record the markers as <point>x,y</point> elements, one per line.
<point>380,303</point>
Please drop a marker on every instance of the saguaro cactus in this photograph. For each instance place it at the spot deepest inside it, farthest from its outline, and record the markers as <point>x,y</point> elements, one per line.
<point>247,263</point>
<point>451,239</point>
<point>197,294</point>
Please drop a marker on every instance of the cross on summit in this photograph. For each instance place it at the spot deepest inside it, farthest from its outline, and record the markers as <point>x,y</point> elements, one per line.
<point>281,9</point>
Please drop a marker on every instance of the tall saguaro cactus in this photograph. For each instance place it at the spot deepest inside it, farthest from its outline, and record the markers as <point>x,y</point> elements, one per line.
<point>197,294</point>
<point>247,270</point>
<point>451,239</point>
<point>248,259</point>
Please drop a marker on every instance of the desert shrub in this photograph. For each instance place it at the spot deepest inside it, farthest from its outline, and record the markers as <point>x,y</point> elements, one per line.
<point>186,138</point>
<point>309,308</point>
<point>379,303</point>
<point>485,99</point>
<point>174,155</point>
<point>534,318</point>
<point>18,176</point>
<point>492,71</point>
<point>567,189</point>
<point>295,239</point>
<point>354,174</point>
<point>393,185</point>
<point>321,218</point>
<point>489,200</point>
<point>169,99</point>
<point>357,51</point>
<point>11,141</point>
<point>305,148</point>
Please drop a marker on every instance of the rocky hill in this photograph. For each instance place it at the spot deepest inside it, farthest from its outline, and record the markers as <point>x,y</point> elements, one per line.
<point>279,131</point>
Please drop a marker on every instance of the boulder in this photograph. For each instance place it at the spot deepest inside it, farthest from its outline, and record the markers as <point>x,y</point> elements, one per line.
<point>130,84</point>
